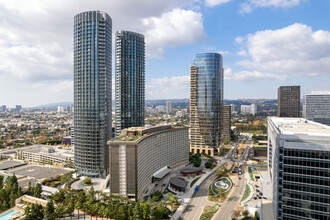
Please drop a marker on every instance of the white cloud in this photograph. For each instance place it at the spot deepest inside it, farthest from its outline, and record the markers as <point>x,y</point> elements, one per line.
<point>250,4</point>
<point>168,87</point>
<point>36,37</point>
<point>172,29</point>
<point>212,3</point>
<point>229,74</point>
<point>295,49</point>
<point>223,52</point>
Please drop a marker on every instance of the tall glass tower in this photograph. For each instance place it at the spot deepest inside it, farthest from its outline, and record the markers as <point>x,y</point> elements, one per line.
<point>130,80</point>
<point>92,92</point>
<point>206,103</point>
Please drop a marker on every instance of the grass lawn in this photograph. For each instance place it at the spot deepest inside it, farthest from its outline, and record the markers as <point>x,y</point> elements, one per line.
<point>250,173</point>
<point>247,192</point>
<point>208,212</point>
<point>194,181</point>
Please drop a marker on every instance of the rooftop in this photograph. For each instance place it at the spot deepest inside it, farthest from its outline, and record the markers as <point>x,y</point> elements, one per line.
<point>300,126</point>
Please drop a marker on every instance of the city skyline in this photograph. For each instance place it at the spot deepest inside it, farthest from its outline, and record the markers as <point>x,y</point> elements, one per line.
<point>37,55</point>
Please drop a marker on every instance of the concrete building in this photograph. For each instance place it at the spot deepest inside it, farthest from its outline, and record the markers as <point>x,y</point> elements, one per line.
<point>249,109</point>
<point>141,154</point>
<point>47,154</point>
<point>130,80</point>
<point>233,108</point>
<point>169,107</point>
<point>3,108</point>
<point>206,103</point>
<point>18,108</point>
<point>316,107</point>
<point>288,102</point>
<point>298,165</point>
<point>226,123</point>
<point>92,92</point>
<point>160,109</point>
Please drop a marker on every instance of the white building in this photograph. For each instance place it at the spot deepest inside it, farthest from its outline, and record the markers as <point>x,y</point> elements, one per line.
<point>160,109</point>
<point>316,107</point>
<point>298,165</point>
<point>169,107</point>
<point>249,109</point>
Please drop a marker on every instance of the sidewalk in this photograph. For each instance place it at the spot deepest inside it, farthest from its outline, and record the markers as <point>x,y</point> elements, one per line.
<point>187,196</point>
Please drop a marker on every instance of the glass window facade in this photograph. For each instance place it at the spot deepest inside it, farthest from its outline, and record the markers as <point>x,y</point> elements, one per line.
<point>130,80</point>
<point>304,184</point>
<point>316,107</point>
<point>206,101</point>
<point>92,92</point>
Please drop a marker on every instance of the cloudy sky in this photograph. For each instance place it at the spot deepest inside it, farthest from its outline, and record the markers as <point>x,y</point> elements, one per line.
<point>265,44</point>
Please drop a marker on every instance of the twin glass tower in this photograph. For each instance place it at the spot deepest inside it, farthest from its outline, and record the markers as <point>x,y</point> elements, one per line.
<point>92,88</point>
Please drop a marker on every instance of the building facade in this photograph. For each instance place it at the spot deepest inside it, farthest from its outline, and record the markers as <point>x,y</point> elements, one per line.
<point>130,80</point>
<point>249,109</point>
<point>206,103</point>
<point>139,153</point>
<point>226,123</point>
<point>288,102</point>
<point>316,107</point>
<point>92,92</point>
<point>299,164</point>
<point>169,107</point>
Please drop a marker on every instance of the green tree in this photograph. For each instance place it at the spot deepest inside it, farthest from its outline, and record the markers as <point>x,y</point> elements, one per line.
<point>221,192</point>
<point>146,210</point>
<point>208,164</point>
<point>87,181</point>
<point>1,181</point>
<point>34,213</point>
<point>50,210</point>
<point>60,210</point>
<point>37,191</point>
<point>137,211</point>
<point>255,215</point>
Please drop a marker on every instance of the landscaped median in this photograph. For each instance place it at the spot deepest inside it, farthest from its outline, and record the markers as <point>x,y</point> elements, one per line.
<point>208,212</point>
<point>251,173</point>
<point>247,192</point>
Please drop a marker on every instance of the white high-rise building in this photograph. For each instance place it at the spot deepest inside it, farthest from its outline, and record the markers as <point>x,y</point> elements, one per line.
<point>298,166</point>
<point>249,109</point>
<point>169,107</point>
<point>316,107</point>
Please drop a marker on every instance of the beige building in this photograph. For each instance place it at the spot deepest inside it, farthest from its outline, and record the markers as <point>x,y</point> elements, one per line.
<point>226,123</point>
<point>140,153</point>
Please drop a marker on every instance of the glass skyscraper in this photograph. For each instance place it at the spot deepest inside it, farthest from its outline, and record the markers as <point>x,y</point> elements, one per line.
<point>206,103</point>
<point>92,92</point>
<point>130,80</point>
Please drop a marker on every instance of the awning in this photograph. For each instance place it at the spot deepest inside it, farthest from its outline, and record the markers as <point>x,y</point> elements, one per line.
<point>162,172</point>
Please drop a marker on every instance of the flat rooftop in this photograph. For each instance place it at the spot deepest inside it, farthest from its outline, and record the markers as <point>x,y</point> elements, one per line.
<point>37,172</point>
<point>300,126</point>
<point>47,151</point>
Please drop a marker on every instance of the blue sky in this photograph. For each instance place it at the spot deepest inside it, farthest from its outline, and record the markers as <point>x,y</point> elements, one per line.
<point>265,44</point>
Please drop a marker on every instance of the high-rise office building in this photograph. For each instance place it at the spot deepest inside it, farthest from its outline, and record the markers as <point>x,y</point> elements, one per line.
<point>288,101</point>
<point>3,108</point>
<point>226,123</point>
<point>130,80</point>
<point>298,166</point>
<point>169,107</point>
<point>92,92</point>
<point>18,108</point>
<point>316,107</point>
<point>233,108</point>
<point>206,103</point>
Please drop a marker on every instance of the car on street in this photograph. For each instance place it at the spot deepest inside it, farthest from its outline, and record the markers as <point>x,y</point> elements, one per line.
<point>156,184</point>
<point>164,185</point>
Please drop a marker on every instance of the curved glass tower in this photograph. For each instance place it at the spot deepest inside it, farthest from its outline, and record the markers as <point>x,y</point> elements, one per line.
<point>92,92</point>
<point>206,103</point>
<point>130,80</point>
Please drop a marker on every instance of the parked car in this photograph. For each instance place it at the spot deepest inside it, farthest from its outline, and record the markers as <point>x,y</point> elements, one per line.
<point>156,184</point>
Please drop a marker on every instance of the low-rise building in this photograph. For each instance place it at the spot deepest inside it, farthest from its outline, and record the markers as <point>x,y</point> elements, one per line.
<point>141,154</point>
<point>46,154</point>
